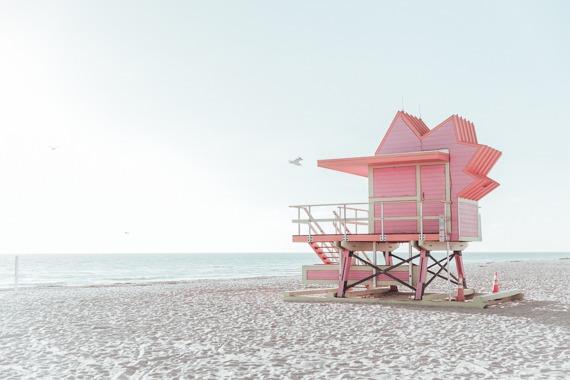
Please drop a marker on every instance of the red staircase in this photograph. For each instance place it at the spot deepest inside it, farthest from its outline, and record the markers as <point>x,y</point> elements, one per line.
<point>326,251</point>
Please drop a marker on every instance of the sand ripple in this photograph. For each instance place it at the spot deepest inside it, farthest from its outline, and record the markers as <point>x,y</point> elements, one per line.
<point>242,329</point>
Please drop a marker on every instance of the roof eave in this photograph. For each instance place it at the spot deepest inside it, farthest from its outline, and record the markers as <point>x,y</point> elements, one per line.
<point>359,165</point>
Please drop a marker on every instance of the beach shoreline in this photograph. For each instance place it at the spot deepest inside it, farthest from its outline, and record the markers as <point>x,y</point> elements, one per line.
<point>33,287</point>
<point>145,282</point>
<point>241,328</point>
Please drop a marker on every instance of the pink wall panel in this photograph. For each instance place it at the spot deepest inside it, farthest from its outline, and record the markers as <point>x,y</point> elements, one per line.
<point>433,207</point>
<point>332,275</point>
<point>396,209</point>
<point>433,182</point>
<point>433,188</point>
<point>433,193</point>
<point>431,226</point>
<point>400,275</point>
<point>469,219</point>
<point>394,182</point>
<point>396,227</point>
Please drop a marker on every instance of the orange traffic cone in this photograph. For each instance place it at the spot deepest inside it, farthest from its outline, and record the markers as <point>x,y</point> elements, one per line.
<point>460,297</point>
<point>495,283</point>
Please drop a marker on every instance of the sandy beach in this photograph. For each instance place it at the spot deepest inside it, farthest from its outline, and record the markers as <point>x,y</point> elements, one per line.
<point>243,329</point>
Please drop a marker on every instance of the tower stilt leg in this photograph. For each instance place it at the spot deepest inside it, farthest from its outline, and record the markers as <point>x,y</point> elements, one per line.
<point>460,268</point>
<point>423,274</point>
<point>345,263</point>
<point>390,261</point>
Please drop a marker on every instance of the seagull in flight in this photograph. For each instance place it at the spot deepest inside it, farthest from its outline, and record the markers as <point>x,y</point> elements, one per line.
<point>296,161</point>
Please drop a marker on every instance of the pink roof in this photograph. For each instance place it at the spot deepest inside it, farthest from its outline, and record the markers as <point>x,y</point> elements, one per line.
<point>359,165</point>
<point>465,130</point>
<point>409,140</point>
<point>420,128</point>
<point>470,176</point>
<point>483,160</point>
<point>479,188</point>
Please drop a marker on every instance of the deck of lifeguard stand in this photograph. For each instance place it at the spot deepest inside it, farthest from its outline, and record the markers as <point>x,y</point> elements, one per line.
<point>349,256</point>
<point>440,207</point>
<point>390,294</point>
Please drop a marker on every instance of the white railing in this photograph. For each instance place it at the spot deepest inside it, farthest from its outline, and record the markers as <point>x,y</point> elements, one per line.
<point>331,218</point>
<point>440,214</point>
<point>354,218</point>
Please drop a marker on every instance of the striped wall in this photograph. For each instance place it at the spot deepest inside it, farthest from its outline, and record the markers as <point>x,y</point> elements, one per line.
<point>394,182</point>
<point>468,219</point>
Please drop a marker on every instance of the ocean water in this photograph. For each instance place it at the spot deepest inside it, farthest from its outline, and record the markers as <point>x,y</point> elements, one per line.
<point>104,269</point>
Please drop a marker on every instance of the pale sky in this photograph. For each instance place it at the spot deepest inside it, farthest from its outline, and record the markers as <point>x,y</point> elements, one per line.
<point>174,120</point>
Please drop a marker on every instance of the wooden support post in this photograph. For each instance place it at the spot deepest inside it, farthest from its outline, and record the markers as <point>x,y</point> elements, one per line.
<point>460,296</point>
<point>375,262</point>
<point>390,261</point>
<point>411,264</point>
<point>345,263</point>
<point>423,274</point>
<point>460,268</point>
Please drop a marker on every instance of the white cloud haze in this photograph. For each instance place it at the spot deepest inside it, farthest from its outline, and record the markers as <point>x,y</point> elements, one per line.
<point>174,121</point>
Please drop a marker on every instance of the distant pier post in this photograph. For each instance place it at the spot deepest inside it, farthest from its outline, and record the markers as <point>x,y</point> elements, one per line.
<point>16,265</point>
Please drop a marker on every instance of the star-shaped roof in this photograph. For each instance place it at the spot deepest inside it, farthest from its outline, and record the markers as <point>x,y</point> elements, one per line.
<point>470,162</point>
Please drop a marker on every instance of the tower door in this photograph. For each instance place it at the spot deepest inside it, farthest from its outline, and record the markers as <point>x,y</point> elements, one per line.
<point>393,203</point>
<point>433,196</point>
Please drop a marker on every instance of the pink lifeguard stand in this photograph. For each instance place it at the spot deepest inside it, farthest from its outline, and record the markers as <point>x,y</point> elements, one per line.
<point>424,188</point>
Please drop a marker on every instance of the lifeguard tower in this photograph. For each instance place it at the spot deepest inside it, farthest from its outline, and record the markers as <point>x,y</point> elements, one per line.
<point>424,188</point>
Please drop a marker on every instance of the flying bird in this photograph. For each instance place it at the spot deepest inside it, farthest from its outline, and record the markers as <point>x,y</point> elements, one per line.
<point>296,161</point>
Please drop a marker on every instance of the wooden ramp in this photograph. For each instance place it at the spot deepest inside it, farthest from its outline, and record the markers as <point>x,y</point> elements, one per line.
<point>384,296</point>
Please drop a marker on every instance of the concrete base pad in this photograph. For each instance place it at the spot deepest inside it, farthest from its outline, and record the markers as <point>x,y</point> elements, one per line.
<point>384,296</point>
